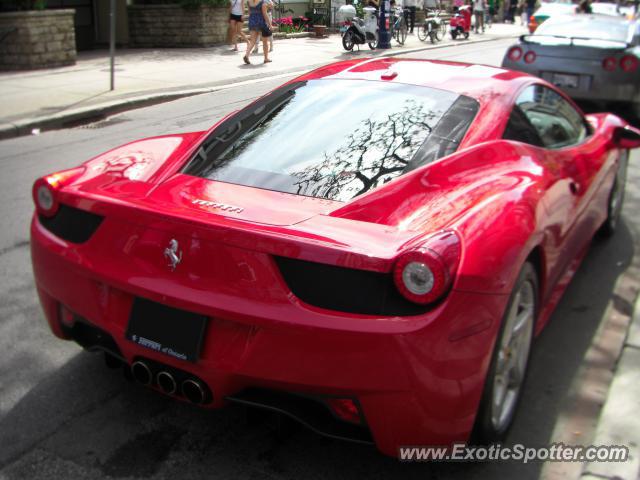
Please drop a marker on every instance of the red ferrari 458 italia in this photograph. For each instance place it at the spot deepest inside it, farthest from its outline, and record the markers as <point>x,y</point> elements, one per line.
<point>369,248</point>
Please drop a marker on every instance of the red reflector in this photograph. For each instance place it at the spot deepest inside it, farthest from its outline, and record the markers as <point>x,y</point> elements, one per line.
<point>345,409</point>
<point>66,316</point>
<point>530,57</point>
<point>514,54</point>
<point>609,64</point>
<point>629,63</point>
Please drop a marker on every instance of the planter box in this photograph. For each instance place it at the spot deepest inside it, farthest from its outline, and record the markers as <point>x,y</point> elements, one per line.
<point>37,39</point>
<point>174,26</point>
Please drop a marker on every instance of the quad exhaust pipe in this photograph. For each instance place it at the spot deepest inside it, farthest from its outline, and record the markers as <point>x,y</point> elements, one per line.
<point>166,382</point>
<point>141,372</point>
<point>192,389</point>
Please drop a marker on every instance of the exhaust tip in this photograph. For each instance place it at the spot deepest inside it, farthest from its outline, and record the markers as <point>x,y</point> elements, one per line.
<point>166,382</point>
<point>111,361</point>
<point>194,391</point>
<point>141,372</point>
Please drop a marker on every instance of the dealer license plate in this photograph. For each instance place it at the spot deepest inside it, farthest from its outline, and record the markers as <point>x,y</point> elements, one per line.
<point>564,80</point>
<point>171,331</point>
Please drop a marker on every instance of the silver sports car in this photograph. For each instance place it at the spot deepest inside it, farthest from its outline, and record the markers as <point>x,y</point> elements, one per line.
<point>593,58</point>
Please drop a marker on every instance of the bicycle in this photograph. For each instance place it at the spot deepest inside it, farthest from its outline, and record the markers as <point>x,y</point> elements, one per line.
<point>433,27</point>
<point>399,29</point>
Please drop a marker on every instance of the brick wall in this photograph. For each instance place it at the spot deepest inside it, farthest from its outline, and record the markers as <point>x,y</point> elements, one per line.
<point>174,26</point>
<point>37,39</point>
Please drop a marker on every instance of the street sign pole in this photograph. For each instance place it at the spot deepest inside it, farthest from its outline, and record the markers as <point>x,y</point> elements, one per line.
<point>384,40</point>
<point>112,42</point>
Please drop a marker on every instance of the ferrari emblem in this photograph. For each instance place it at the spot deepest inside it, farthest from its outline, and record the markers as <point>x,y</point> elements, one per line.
<point>172,254</point>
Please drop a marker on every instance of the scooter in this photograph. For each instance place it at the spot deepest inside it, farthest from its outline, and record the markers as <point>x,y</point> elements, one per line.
<point>460,23</point>
<point>360,31</point>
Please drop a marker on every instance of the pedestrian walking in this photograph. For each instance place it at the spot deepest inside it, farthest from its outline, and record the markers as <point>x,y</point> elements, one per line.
<point>489,13</point>
<point>522,13</point>
<point>530,7</point>
<point>269,4</point>
<point>411,6</point>
<point>478,12</point>
<point>236,11</point>
<point>259,23</point>
<point>584,7</point>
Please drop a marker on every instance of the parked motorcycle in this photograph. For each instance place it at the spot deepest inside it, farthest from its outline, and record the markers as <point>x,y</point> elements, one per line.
<point>360,31</point>
<point>460,23</point>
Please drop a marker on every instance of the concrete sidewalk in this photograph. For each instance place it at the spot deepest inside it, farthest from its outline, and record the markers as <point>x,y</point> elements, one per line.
<point>619,422</point>
<point>56,97</point>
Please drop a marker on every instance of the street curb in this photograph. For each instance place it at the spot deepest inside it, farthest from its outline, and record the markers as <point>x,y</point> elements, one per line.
<point>83,115</point>
<point>619,422</point>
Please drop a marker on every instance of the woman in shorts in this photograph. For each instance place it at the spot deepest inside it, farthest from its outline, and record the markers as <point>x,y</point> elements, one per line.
<point>259,24</point>
<point>236,10</point>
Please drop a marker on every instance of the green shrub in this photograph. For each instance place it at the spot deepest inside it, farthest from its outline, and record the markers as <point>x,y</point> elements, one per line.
<point>17,5</point>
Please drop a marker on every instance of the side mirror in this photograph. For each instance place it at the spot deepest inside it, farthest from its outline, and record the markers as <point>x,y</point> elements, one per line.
<point>626,137</point>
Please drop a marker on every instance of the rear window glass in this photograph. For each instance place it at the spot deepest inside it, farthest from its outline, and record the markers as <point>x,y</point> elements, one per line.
<point>586,26</point>
<point>334,139</point>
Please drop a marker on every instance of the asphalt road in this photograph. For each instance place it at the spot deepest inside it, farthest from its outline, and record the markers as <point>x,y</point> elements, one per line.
<point>64,415</point>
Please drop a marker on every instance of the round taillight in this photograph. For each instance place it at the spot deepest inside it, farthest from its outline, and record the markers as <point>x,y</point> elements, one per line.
<point>45,198</point>
<point>514,54</point>
<point>609,64</point>
<point>530,57</point>
<point>420,276</point>
<point>629,63</point>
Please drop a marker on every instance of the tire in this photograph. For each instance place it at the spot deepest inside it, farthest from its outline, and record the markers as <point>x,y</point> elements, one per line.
<point>373,45</point>
<point>441,31</point>
<point>403,33</point>
<point>423,32</point>
<point>507,371</point>
<point>454,34</point>
<point>466,35</point>
<point>616,198</point>
<point>347,40</point>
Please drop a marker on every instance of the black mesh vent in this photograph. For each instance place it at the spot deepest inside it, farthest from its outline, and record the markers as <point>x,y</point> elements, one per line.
<point>71,224</point>
<point>345,289</point>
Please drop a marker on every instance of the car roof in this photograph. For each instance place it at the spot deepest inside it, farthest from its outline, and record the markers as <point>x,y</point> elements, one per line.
<point>481,82</point>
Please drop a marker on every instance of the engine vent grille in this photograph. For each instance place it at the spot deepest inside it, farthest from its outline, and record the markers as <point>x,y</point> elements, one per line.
<point>72,224</point>
<point>345,289</point>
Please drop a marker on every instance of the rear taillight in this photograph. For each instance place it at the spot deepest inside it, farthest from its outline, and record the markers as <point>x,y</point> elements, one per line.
<point>609,64</point>
<point>629,63</point>
<point>530,57</point>
<point>44,196</point>
<point>45,190</point>
<point>514,54</point>
<point>532,24</point>
<point>424,274</point>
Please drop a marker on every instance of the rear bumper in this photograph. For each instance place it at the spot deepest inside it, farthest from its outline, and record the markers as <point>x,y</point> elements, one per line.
<point>418,379</point>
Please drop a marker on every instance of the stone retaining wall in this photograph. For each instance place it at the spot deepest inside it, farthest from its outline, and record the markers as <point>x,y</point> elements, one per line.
<point>37,39</point>
<point>174,26</point>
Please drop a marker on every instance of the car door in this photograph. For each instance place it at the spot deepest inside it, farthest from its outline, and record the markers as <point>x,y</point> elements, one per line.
<point>572,162</point>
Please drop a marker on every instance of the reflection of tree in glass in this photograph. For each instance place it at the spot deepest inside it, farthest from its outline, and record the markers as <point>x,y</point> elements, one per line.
<point>376,152</point>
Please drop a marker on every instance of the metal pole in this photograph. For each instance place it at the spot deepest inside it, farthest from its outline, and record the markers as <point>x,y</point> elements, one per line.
<point>384,39</point>
<point>112,42</point>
